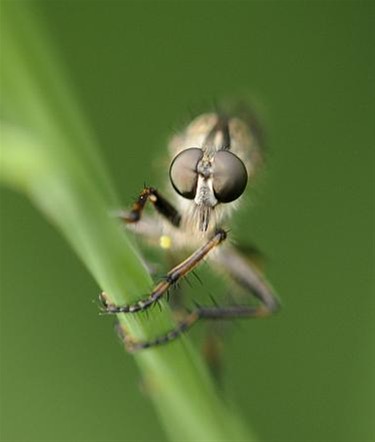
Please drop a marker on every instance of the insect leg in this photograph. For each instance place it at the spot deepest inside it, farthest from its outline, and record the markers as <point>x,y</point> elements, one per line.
<point>181,328</point>
<point>244,275</point>
<point>230,312</point>
<point>247,276</point>
<point>171,278</point>
<point>163,206</point>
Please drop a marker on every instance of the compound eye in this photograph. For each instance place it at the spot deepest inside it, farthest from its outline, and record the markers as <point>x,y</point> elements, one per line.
<point>229,177</point>
<point>183,172</point>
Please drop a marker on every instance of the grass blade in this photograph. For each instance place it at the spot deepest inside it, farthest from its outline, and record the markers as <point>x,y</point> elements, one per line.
<point>50,155</point>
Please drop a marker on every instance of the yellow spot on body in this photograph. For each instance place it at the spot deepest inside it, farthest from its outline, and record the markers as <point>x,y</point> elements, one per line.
<point>165,242</point>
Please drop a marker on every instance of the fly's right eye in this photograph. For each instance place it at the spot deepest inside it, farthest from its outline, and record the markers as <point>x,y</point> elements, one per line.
<point>183,172</point>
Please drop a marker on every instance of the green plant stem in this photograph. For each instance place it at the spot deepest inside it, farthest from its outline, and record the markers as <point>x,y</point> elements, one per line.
<point>50,156</point>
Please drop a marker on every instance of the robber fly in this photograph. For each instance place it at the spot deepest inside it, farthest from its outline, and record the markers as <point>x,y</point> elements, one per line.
<point>212,161</point>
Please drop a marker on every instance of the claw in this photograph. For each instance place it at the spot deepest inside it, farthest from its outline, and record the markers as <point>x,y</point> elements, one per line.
<point>106,308</point>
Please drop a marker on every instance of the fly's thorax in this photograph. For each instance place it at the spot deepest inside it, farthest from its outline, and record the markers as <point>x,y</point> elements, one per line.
<point>194,134</point>
<point>245,145</point>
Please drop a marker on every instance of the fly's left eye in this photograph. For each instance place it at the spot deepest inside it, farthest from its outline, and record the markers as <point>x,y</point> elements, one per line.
<point>229,177</point>
<point>183,172</point>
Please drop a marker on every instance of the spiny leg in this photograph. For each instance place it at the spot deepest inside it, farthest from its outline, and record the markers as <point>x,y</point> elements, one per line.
<point>133,346</point>
<point>244,275</point>
<point>231,312</point>
<point>150,229</point>
<point>163,206</point>
<point>250,279</point>
<point>172,277</point>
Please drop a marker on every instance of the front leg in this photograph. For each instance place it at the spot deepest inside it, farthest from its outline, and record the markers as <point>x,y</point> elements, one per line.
<point>163,206</point>
<point>172,277</point>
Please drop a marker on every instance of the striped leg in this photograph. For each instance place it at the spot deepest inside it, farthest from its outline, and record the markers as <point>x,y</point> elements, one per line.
<point>231,312</point>
<point>171,278</point>
<point>247,277</point>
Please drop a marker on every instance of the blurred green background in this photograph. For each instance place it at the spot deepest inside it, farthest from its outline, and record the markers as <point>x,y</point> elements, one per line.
<point>138,70</point>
